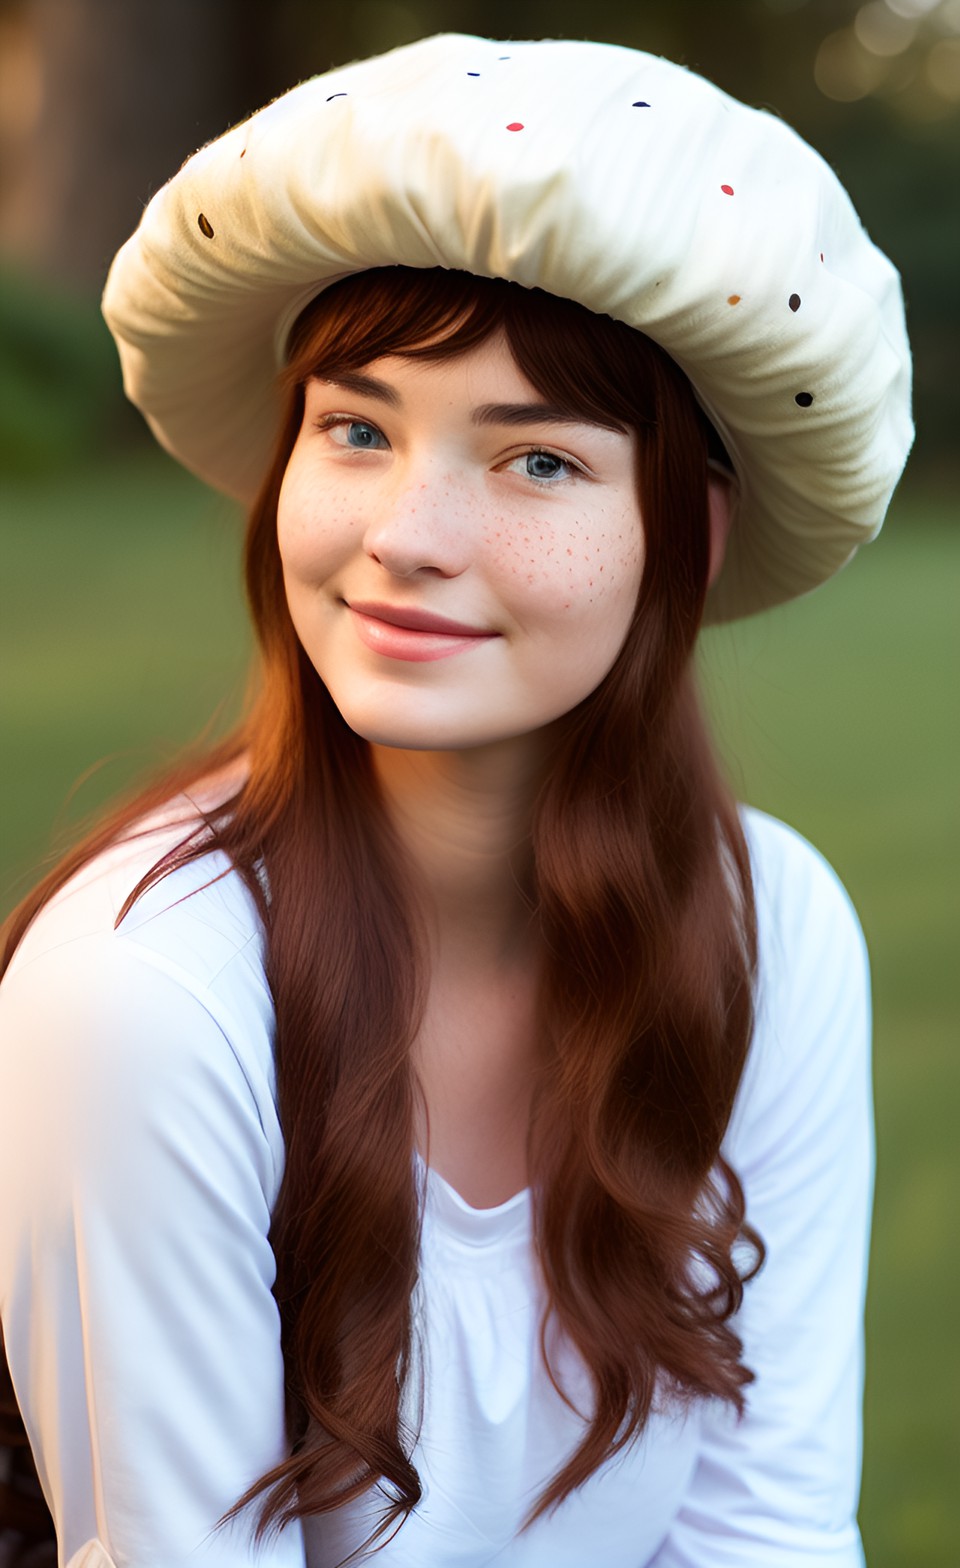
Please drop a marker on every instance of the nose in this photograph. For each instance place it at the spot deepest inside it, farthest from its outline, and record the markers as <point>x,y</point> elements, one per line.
<point>421,526</point>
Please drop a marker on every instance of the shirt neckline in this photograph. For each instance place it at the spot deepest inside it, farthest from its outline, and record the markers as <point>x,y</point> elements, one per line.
<point>452,1213</point>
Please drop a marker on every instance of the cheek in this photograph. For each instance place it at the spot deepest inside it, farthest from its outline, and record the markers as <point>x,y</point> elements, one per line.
<point>309,535</point>
<point>572,566</point>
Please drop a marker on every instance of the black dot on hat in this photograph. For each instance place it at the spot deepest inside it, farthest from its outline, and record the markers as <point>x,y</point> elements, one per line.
<point>473,73</point>
<point>794,301</point>
<point>803,399</point>
<point>205,226</point>
<point>335,95</point>
<point>639,104</point>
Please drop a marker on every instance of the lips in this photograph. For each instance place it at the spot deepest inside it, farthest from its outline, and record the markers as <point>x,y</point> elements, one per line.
<point>416,636</point>
<point>415,620</point>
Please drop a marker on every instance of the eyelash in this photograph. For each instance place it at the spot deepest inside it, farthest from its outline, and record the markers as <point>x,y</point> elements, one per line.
<point>341,421</point>
<point>328,422</point>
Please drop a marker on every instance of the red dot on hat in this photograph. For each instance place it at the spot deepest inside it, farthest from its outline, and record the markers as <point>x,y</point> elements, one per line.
<point>515,125</point>
<point>727,190</point>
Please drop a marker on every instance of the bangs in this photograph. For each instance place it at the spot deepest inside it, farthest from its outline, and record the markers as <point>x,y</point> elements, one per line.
<point>588,365</point>
<point>417,313</point>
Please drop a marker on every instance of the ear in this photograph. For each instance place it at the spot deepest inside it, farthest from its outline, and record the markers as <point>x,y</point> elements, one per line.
<point>722,496</point>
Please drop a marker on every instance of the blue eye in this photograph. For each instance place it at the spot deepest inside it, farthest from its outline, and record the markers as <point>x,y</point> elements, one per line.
<point>360,434</point>
<point>544,465</point>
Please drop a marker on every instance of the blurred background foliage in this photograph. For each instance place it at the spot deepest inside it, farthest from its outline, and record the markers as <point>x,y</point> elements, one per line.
<point>121,623</point>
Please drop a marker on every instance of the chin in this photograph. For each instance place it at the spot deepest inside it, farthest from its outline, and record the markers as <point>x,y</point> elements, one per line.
<point>428,731</point>
<point>435,738</point>
<point>404,732</point>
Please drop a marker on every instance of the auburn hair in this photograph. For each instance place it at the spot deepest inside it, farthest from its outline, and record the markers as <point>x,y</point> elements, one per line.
<point>642,891</point>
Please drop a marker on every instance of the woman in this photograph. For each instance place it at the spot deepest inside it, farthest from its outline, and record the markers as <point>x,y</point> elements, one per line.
<point>400,1103</point>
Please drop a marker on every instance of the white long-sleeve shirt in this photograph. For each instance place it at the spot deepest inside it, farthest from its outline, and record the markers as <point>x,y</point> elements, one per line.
<point>140,1158</point>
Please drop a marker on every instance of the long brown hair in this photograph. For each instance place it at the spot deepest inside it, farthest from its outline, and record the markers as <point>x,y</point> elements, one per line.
<point>643,895</point>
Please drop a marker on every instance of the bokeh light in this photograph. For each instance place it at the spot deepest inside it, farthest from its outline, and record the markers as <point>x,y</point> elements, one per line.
<point>845,71</point>
<point>912,8</point>
<point>943,68</point>
<point>905,51</point>
<point>883,31</point>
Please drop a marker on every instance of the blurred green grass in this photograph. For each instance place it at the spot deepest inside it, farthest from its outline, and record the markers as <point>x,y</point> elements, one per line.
<point>122,632</point>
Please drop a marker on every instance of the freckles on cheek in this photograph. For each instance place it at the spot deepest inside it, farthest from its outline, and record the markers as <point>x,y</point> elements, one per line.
<point>601,566</point>
<point>528,554</point>
<point>566,568</point>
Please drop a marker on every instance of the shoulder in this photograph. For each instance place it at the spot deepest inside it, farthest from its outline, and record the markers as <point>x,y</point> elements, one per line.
<point>794,885</point>
<point>812,999</point>
<point>171,1001</point>
<point>198,916</point>
<point>198,922</point>
<point>806,922</point>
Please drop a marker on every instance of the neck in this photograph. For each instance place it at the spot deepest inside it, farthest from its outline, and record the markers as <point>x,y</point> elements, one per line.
<point>464,819</point>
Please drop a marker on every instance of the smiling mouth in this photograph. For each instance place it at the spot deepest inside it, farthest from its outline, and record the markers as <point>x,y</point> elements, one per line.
<point>411,619</point>
<point>416,636</point>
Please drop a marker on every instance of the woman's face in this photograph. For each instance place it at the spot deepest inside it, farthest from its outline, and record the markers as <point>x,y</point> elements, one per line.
<point>461,562</point>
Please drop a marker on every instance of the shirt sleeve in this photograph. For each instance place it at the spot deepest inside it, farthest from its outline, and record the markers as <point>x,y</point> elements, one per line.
<point>135,1266</point>
<point>779,1487</point>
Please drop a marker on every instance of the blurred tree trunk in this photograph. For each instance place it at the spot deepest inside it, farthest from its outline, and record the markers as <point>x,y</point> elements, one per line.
<point>125,90</point>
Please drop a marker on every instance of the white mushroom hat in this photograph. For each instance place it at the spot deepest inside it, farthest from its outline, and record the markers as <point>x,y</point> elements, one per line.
<point>598,173</point>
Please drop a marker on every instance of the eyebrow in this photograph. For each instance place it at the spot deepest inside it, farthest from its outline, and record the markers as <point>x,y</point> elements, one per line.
<point>363,386</point>
<point>535,414</point>
<point>515,414</point>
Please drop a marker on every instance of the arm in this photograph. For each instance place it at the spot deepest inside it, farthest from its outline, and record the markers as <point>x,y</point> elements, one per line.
<point>779,1489</point>
<point>135,1269</point>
